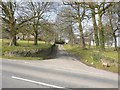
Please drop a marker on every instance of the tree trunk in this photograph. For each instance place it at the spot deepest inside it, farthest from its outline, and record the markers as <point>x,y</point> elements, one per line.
<point>13,33</point>
<point>82,36</point>
<point>81,30</point>
<point>90,41</point>
<point>101,33</point>
<point>114,36</point>
<point>72,38</point>
<point>72,41</point>
<point>13,41</point>
<point>36,38</point>
<point>23,37</point>
<point>95,28</point>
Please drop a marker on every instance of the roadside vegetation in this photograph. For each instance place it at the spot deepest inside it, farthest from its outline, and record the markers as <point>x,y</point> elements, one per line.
<point>29,28</point>
<point>26,50</point>
<point>94,57</point>
<point>26,33</point>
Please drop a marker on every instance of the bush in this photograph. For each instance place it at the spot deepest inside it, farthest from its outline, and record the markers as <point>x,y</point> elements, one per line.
<point>96,56</point>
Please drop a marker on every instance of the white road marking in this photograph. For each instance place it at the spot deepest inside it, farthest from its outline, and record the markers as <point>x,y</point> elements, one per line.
<point>36,82</point>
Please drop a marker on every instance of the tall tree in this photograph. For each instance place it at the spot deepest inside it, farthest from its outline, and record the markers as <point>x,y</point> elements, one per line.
<point>8,11</point>
<point>13,23</point>
<point>47,31</point>
<point>80,17</point>
<point>65,21</point>
<point>102,7</point>
<point>112,14</point>
<point>92,7</point>
<point>80,9</point>
<point>37,9</point>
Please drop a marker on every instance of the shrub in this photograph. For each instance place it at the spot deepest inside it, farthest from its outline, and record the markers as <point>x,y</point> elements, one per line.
<point>96,56</point>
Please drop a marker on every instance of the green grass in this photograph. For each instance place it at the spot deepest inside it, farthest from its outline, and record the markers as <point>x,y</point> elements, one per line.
<point>23,45</point>
<point>23,58</point>
<point>92,55</point>
<point>111,54</point>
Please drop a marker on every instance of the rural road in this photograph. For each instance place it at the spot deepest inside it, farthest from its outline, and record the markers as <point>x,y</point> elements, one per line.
<point>61,72</point>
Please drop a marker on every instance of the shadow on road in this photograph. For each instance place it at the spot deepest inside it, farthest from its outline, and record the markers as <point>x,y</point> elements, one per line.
<point>61,53</point>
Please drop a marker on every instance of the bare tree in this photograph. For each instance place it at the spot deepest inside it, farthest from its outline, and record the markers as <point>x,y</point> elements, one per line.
<point>112,14</point>
<point>8,11</point>
<point>37,9</point>
<point>81,13</point>
<point>102,7</point>
<point>65,21</point>
<point>80,18</point>
<point>92,7</point>
<point>15,20</point>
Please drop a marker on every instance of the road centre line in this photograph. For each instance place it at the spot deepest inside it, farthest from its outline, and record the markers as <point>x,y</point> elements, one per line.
<point>36,82</point>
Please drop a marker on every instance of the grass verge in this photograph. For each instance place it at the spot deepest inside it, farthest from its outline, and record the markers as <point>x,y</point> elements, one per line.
<point>26,46</point>
<point>92,57</point>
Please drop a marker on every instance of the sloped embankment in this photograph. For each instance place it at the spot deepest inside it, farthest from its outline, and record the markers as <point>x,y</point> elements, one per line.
<point>44,53</point>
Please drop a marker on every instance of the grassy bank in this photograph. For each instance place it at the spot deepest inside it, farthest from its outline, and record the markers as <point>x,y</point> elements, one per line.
<point>26,46</point>
<point>93,57</point>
